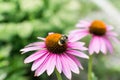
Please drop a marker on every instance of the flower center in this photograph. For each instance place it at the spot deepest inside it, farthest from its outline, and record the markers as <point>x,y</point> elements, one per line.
<point>56,43</point>
<point>97,28</point>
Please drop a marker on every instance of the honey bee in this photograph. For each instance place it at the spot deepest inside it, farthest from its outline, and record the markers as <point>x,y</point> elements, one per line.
<point>63,40</point>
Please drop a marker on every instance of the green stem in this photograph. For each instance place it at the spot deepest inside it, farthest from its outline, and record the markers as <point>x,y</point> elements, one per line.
<point>58,75</point>
<point>90,68</point>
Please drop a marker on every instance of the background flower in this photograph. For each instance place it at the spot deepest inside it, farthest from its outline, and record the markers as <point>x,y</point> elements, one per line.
<point>101,34</point>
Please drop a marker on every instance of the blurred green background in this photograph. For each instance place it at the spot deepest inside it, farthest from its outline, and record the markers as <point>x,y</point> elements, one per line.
<point>22,21</point>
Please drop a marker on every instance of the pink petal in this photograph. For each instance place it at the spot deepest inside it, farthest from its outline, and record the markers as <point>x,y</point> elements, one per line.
<point>65,67</point>
<point>58,64</point>
<point>34,56</point>
<point>109,33</point>
<point>42,67</point>
<point>113,35</point>
<point>77,35</point>
<point>103,46</point>
<point>51,64</point>
<point>73,66</point>
<point>109,45</point>
<point>109,27</point>
<point>115,40</point>
<point>39,61</point>
<point>76,61</point>
<point>94,45</point>
<point>29,49</point>
<point>77,31</point>
<point>97,44</point>
<point>91,50</point>
<point>83,24</point>
<point>77,53</point>
<point>77,45</point>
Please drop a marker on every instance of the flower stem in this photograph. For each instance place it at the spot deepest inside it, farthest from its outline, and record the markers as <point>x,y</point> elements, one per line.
<point>58,75</point>
<point>90,68</point>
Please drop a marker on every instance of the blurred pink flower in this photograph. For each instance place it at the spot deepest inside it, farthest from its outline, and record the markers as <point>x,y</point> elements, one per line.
<point>55,51</point>
<point>101,34</point>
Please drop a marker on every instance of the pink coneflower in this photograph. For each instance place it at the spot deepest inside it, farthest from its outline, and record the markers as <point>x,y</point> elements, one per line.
<point>55,51</point>
<point>101,34</point>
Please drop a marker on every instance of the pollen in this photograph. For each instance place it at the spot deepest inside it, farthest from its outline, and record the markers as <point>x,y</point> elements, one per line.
<point>52,43</point>
<point>97,28</point>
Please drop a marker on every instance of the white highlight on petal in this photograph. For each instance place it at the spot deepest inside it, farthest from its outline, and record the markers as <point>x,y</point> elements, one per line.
<point>41,38</point>
<point>50,33</point>
<point>36,44</point>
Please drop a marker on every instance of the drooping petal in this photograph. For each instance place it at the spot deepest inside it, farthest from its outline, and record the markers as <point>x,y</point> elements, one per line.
<point>51,64</point>
<point>42,67</point>
<point>110,33</point>
<point>65,67</point>
<point>109,45</point>
<point>58,64</point>
<point>91,50</point>
<point>115,40</point>
<point>113,35</point>
<point>39,62</point>
<point>94,45</point>
<point>34,56</point>
<point>103,46</point>
<point>77,53</point>
<point>76,61</point>
<point>73,66</point>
